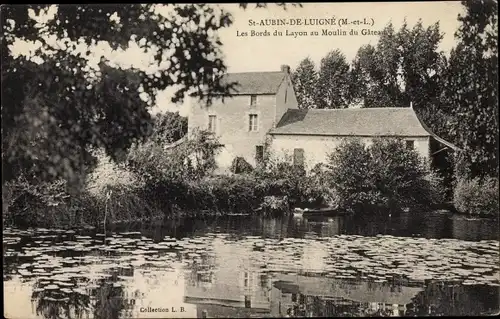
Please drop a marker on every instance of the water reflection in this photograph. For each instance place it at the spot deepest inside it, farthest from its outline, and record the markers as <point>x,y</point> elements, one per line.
<point>253,267</point>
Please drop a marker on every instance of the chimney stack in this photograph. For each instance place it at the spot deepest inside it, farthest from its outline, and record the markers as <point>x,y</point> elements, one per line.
<point>285,68</point>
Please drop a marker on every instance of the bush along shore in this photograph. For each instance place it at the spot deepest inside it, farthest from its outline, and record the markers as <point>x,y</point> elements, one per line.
<point>155,182</point>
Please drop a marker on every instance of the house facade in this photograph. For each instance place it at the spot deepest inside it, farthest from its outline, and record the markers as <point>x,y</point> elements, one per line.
<point>242,122</point>
<point>309,136</point>
<point>263,115</point>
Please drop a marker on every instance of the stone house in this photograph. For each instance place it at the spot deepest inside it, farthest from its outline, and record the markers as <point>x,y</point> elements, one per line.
<point>263,115</point>
<point>242,121</point>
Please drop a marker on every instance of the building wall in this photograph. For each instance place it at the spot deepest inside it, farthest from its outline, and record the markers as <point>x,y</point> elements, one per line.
<point>317,148</point>
<point>232,125</point>
<point>233,121</point>
<point>285,99</point>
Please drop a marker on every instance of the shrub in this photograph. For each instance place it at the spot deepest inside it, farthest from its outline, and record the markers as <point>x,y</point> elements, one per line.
<point>477,197</point>
<point>192,158</point>
<point>47,204</point>
<point>385,176</point>
<point>236,193</point>
<point>109,173</point>
<point>240,165</point>
<point>168,127</point>
<point>403,178</point>
<point>351,176</point>
<point>272,205</point>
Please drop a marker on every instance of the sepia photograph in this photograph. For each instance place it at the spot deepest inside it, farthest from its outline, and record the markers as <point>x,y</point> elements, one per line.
<point>250,160</point>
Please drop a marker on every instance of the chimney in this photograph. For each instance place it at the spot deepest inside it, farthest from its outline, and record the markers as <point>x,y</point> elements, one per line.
<point>285,68</point>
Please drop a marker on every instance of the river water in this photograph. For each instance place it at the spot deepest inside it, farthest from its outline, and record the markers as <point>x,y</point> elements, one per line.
<point>416,264</point>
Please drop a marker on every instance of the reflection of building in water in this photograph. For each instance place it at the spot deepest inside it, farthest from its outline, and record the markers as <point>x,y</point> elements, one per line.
<point>319,296</point>
<point>275,227</point>
<point>324,226</point>
<point>235,288</point>
<point>301,227</point>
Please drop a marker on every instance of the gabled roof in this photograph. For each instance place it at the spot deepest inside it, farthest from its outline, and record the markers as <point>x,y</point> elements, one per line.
<point>389,121</point>
<point>254,82</point>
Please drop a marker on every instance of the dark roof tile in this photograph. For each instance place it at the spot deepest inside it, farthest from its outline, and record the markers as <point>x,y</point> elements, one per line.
<point>359,122</point>
<point>254,82</point>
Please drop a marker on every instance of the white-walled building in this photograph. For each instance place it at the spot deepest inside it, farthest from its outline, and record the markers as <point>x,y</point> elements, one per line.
<point>310,135</point>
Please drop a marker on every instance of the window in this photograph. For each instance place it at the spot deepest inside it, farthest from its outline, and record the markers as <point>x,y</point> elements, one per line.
<point>259,153</point>
<point>253,100</point>
<point>212,123</point>
<point>248,302</point>
<point>298,157</point>
<point>410,145</point>
<point>253,123</point>
<point>245,283</point>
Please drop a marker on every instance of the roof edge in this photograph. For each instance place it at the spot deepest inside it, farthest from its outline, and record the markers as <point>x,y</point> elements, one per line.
<point>435,136</point>
<point>281,82</point>
<point>344,135</point>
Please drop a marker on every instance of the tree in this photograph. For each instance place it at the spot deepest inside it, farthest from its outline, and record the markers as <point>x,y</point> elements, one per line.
<point>305,81</point>
<point>376,74</point>
<point>472,89</point>
<point>366,78</point>
<point>333,82</point>
<point>405,67</point>
<point>382,177</point>
<point>57,106</point>
<point>422,71</point>
<point>169,127</point>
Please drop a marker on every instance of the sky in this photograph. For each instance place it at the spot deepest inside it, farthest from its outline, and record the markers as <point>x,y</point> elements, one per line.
<point>268,53</point>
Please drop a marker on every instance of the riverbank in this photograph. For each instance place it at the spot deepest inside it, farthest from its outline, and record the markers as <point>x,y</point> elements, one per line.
<point>154,184</point>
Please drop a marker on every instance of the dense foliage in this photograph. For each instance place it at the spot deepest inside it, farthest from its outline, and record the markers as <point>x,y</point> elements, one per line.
<point>477,197</point>
<point>472,89</point>
<point>169,127</point>
<point>305,79</point>
<point>58,105</point>
<point>240,165</point>
<point>382,177</point>
<point>333,86</point>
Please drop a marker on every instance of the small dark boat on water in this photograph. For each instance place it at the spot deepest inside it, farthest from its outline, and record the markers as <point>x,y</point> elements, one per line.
<point>324,211</point>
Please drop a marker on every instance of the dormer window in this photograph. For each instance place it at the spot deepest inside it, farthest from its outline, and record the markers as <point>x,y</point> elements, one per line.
<point>253,100</point>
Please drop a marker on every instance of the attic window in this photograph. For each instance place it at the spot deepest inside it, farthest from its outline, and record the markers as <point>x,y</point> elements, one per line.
<point>253,100</point>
